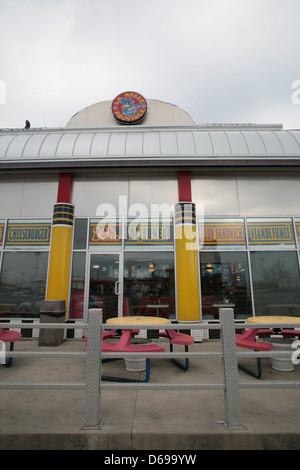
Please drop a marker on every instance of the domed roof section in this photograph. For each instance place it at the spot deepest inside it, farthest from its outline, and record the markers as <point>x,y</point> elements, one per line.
<point>159,113</point>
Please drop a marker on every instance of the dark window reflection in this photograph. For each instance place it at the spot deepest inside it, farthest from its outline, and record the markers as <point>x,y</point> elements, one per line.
<point>104,277</point>
<point>77,285</point>
<point>149,287</point>
<point>80,234</point>
<point>224,279</point>
<point>276,283</point>
<point>23,283</point>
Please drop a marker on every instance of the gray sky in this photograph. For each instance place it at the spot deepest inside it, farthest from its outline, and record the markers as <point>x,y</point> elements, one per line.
<point>220,60</point>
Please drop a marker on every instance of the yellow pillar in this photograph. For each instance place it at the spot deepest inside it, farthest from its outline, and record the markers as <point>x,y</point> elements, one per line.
<point>60,254</point>
<point>188,300</point>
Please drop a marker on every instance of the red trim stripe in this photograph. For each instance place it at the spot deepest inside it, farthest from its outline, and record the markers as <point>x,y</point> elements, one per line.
<point>64,193</point>
<point>184,186</point>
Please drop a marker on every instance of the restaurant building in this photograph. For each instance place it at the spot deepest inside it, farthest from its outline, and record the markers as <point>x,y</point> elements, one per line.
<point>135,208</point>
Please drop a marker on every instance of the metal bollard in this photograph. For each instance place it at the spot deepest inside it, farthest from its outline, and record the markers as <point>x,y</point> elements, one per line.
<point>93,371</point>
<point>232,391</point>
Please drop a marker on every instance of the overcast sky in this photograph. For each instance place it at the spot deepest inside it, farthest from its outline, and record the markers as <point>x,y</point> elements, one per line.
<point>220,60</point>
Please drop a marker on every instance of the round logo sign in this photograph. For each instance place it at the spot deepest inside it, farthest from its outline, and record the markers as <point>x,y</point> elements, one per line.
<point>129,107</point>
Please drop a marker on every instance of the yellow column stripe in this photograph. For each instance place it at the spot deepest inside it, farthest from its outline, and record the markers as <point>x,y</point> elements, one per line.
<point>60,254</point>
<point>188,299</point>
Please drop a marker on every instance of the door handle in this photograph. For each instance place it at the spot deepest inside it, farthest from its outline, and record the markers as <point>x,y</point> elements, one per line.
<point>117,287</point>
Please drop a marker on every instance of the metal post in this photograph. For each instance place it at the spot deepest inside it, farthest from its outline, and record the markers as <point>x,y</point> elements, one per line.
<point>93,371</point>
<point>231,393</point>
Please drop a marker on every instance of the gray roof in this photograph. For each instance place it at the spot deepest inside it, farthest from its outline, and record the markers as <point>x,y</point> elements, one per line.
<point>155,143</point>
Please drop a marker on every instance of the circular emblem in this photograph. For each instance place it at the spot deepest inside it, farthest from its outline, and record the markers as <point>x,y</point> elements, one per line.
<point>129,107</point>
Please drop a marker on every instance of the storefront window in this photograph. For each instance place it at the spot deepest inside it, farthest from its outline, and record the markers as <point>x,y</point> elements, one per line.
<point>105,235</point>
<point>276,283</point>
<point>104,283</point>
<point>80,234</point>
<point>225,279</point>
<point>77,285</point>
<point>270,233</point>
<point>28,234</point>
<point>144,233</point>
<point>218,234</point>
<point>297,226</point>
<point>2,228</point>
<point>149,285</point>
<point>22,283</point>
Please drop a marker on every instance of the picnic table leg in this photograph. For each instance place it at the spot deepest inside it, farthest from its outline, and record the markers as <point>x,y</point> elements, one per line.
<point>10,359</point>
<point>257,374</point>
<point>186,364</point>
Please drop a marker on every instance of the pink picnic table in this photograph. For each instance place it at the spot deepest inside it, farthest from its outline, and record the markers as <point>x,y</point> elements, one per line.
<point>11,337</point>
<point>124,343</point>
<point>247,339</point>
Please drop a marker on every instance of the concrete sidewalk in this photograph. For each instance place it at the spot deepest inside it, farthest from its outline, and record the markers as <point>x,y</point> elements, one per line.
<point>143,419</point>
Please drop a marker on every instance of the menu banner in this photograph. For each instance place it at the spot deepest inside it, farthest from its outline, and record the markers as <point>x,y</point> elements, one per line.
<point>297,224</point>
<point>102,233</point>
<point>149,233</point>
<point>137,233</point>
<point>270,233</point>
<point>221,233</point>
<point>28,234</point>
<point>2,228</point>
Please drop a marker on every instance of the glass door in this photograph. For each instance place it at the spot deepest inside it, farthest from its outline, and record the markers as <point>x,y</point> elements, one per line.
<point>105,288</point>
<point>149,284</point>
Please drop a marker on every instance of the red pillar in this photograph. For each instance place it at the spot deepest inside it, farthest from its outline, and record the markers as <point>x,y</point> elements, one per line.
<point>64,193</point>
<point>184,186</point>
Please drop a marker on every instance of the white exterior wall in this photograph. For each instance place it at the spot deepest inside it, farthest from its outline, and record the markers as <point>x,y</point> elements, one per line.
<point>253,194</point>
<point>158,114</point>
<point>27,197</point>
<point>91,191</point>
<point>248,195</point>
